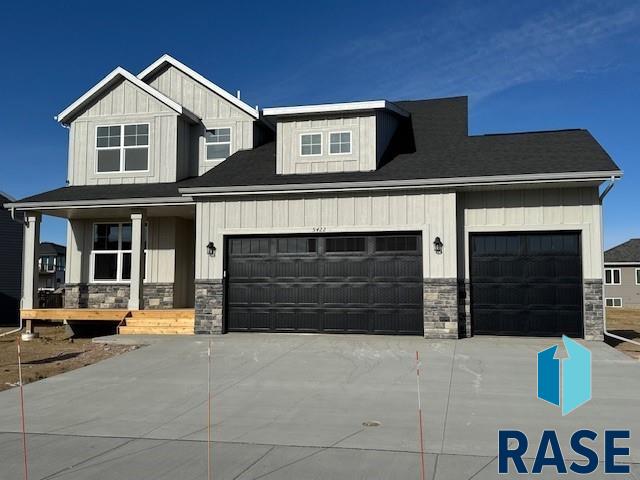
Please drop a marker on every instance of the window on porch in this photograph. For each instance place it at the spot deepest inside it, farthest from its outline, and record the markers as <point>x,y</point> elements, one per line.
<point>111,253</point>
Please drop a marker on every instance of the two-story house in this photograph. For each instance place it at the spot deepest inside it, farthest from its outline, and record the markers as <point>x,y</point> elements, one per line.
<point>622,275</point>
<point>369,216</point>
<point>51,266</point>
<point>10,262</point>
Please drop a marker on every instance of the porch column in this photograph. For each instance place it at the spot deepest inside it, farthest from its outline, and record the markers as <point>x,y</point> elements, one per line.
<point>137,264</point>
<point>30,267</point>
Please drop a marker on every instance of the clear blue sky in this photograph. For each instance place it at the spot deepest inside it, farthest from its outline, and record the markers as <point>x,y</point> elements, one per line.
<point>525,66</point>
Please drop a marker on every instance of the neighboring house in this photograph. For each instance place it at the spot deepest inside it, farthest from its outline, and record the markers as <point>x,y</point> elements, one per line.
<point>11,232</point>
<point>622,275</point>
<point>366,217</point>
<point>51,266</point>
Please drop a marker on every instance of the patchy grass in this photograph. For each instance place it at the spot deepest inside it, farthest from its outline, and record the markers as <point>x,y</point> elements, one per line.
<point>624,322</point>
<point>53,353</point>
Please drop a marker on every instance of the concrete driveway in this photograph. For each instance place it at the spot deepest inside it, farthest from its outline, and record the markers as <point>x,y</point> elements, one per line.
<point>293,407</point>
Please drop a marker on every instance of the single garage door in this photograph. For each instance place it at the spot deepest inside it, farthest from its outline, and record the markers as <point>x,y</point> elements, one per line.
<point>341,284</point>
<point>526,284</point>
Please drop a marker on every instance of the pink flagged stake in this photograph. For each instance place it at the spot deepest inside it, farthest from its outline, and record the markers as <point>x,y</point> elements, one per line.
<point>24,431</point>
<point>422,470</point>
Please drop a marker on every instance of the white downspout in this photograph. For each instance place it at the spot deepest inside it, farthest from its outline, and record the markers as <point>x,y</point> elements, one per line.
<point>604,306</point>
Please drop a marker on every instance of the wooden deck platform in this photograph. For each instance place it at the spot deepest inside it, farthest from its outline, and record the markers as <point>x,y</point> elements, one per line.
<point>179,321</point>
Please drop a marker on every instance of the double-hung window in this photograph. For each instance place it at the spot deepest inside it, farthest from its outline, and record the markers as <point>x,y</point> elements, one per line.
<point>339,143</point>
<point>111,254</point>
<point>612,276</point>
<point>310,144</point>
<point>613,302</point>
<point>122,148</point>
<point>218,143</point>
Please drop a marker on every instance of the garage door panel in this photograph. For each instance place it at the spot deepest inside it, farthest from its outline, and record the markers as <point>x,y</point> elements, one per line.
<point>526,284</point>
<point>326,283</point>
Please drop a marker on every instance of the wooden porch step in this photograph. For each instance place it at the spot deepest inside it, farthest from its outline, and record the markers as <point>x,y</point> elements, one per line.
<point>178,313</point>
<point>159,322</point>
<point>128,330</point>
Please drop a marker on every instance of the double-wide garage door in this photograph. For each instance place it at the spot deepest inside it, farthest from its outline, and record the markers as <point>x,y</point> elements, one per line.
<point>347,283</point>
<point>526,284</point>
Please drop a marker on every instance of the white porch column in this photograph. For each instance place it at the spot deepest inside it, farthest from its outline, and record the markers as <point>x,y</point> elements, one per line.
<point>30,267</point>
<point>137,263</point>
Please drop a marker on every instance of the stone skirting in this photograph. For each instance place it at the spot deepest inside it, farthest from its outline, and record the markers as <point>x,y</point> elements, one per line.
<point>157,296</point>
<point>95,295</point>
<point>593,309</point>
<point>441,309</point>
<point>208,305</point>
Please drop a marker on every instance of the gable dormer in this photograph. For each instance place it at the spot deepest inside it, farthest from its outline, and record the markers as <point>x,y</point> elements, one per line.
<point>227,123</point>
<point>124,131</point>
<point>337,137</point>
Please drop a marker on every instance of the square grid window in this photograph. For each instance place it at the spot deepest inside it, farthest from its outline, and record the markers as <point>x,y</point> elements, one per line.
<point>218,143</point>
<point>637,276</point>
<point>339,143</point>
<point>612,276</point>
<point>122,148</point>
<point>311,144</point>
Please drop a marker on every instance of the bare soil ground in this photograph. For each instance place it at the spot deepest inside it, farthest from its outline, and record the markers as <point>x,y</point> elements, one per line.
<point>624,322</point>
<point>53,353</point>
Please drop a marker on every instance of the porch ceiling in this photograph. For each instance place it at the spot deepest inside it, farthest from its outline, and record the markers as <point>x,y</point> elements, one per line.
<point>107,212</point>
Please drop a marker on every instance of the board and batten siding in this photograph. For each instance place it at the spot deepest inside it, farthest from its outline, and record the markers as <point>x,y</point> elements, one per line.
<point>214,111</point>
<point>428,213</point>
<point>544,209</point>
<point>160,257</point>
<point>124,104</point>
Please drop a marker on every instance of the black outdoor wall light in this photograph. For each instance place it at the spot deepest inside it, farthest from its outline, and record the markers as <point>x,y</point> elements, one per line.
<point>211,249</point>
<point>437,245</point>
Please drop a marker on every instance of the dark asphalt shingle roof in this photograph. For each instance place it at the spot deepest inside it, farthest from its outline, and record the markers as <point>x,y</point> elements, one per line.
<point>106,192</point>
<point>432,144</point>
<point>628,251</point>
<point>50,248</point>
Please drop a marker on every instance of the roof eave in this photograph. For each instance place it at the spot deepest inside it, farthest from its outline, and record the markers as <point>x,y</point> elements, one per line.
<point>410,183</point>
<point>327,108</point>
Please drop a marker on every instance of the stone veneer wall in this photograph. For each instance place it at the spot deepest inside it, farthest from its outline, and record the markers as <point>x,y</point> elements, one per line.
<point>157,296</point>
<point>441,309</point>
<point>96,296</point>
<point>593,309</point>
<point>208,305</point>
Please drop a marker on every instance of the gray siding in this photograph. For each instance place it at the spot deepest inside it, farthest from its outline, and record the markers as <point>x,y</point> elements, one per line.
<point>10,265</point>
<point>628,290</point>
<point>544,209</point>
<point>214,111</point>
<point>125,103</point>
<point>370,136</point>
<point>423,212</point>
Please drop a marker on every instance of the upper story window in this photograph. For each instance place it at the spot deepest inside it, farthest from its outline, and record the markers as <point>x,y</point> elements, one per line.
<point>339,143</point>
<point>637,276</point>
<point>612,276</point>
<point>310,144</point>
<point>218,143</point>
<point>122,148</point>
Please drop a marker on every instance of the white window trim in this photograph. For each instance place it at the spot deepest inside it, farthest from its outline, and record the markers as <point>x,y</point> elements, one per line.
<point>310,154</point>
<point>119,254</point>
<point>230,143</point>
<point>122,148</point>
<point>637,276</point>
<point>350,142</point>
<point>613,299</point>
<point>613,277</point>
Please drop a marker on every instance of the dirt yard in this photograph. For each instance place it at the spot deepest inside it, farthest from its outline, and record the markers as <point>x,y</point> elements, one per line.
<point>49,355</point>
<point>624,322</point>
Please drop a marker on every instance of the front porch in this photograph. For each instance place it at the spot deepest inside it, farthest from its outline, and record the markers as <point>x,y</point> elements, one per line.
<point>132,266</point>
<point>127,322</point>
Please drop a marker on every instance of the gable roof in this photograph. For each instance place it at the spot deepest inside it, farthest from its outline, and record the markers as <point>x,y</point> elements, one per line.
<point>432,148</point>
<point>167,59</point>
<point>627,252</point>
<point>50,248</point>
<point>106,84</point>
